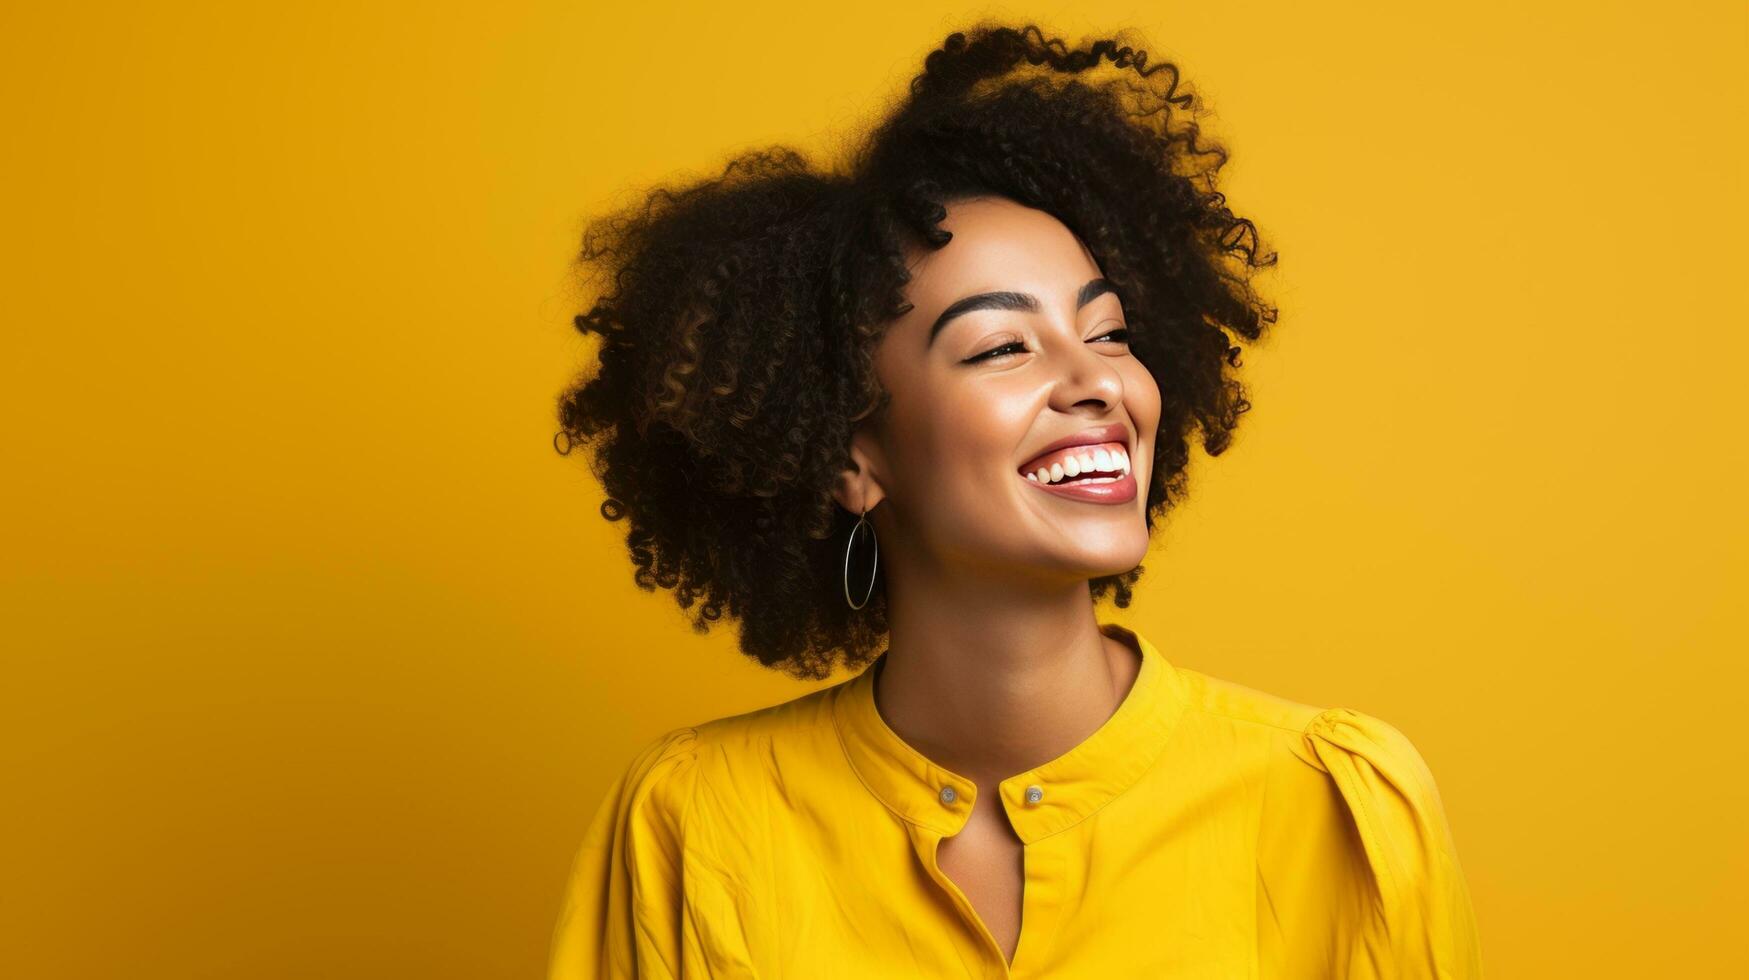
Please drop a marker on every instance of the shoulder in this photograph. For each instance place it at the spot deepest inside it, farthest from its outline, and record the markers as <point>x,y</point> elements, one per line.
<point>1339,742</point>
<point>793,721</point>
<point>1352,840</point>
<point>671,836</point>
<point>1354,767</point>
<point>1313,752</point>
<point>1369,755</point>
<point>1230,701</point>
<point>646,805</point>
<point>1356,789</point>
<point>720,761</point>
<point>651,812</point>
<point>1390,796</point>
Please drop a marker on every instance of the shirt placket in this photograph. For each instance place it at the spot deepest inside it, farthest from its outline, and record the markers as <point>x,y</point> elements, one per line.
<point>1041,894</point>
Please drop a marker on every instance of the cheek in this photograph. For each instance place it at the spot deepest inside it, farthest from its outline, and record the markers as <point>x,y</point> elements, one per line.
<point>987,422</point>
<point>957,438</point>
<point>1142,397</point>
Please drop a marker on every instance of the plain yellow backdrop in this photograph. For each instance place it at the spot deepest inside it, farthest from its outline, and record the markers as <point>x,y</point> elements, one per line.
<point>317,656</point>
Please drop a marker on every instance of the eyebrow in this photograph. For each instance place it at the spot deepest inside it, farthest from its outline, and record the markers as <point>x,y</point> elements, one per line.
<point>1020,302</point>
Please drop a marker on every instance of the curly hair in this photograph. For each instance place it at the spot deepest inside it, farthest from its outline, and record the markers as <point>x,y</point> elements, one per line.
<point>738,317</point>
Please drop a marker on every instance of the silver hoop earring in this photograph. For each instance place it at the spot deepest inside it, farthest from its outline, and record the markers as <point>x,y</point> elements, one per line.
<point>861,522</point>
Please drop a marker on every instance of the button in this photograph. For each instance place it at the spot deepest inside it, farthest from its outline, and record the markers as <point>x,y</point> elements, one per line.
<point>948,795</point>
<point>1034,794</point>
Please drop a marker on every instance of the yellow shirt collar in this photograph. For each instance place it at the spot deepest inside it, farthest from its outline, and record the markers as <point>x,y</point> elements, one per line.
<point>1064,791</point>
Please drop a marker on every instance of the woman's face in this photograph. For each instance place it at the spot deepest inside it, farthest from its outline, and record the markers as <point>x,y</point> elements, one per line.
<point>980,390</point>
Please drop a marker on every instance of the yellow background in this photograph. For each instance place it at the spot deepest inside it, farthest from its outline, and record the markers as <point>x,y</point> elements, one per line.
<point>317,656</point>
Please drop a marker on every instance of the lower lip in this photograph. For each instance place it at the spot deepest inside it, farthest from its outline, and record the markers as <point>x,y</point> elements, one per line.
<point>1119,491</point>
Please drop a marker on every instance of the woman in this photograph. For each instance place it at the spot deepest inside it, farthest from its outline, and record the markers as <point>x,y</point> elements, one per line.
<point>915,416</point>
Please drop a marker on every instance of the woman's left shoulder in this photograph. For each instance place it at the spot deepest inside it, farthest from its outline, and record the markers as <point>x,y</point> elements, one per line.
<point>1372,763</point>
<point>1387,786</point>
<point>1369,755</point>
<point>1394,805</point>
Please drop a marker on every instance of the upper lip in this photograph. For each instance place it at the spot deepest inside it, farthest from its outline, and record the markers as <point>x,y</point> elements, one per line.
<point>1114,432</point>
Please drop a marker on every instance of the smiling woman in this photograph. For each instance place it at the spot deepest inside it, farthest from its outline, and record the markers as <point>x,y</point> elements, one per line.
<point>742,318</point>
<point>1030,378</point>
<point>915,417</point>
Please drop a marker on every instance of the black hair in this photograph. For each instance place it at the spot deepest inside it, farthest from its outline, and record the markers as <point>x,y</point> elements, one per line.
<point>738,316</point>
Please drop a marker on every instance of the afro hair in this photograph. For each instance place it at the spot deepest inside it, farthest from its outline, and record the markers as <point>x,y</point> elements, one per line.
<point>738,315</point>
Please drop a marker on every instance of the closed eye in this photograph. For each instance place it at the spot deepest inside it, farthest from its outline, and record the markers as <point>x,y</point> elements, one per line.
<point>1119,336</point>
<point>996,352</point>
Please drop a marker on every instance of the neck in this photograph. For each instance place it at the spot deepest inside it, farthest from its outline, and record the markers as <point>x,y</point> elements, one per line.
<point>991,684</point>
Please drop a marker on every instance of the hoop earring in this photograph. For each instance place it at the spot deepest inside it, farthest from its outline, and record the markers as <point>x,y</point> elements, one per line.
<point>861,522</point>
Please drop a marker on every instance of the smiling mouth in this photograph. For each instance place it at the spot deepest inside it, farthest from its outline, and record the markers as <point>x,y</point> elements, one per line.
<point>1106,462</point>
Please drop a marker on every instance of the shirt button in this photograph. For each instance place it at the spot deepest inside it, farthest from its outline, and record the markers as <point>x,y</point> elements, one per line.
<point>1034,794</point>
<point>947,794</point>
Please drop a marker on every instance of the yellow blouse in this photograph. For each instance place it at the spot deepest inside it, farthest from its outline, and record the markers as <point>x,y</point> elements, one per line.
<point>1204,830</point>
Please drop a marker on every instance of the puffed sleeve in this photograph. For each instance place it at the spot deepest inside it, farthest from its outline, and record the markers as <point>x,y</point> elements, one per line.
<point>623,914</point>
<point>1423,924</point>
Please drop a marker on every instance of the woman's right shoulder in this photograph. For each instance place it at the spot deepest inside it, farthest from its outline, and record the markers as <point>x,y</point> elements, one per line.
<point>659,759</point>
<point>626,905</point>
<point>683,828</point>
<point>665,770</point>
<point>646,806</point>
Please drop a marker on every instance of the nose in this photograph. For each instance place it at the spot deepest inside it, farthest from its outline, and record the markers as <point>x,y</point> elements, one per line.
<point>1084,376</point>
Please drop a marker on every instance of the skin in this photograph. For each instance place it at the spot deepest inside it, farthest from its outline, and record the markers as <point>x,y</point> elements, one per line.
<point>995,662</point>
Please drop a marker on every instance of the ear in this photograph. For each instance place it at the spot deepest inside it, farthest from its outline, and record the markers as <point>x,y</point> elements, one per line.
<point>858,488</point>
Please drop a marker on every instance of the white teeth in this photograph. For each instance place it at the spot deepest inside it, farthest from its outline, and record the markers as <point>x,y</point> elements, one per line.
<point>1100,460</point>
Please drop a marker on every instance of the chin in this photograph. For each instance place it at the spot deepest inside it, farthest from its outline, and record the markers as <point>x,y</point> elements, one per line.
<point>1115,561</point>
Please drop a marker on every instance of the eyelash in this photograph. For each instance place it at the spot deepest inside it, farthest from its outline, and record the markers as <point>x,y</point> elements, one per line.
<point>995,352</point>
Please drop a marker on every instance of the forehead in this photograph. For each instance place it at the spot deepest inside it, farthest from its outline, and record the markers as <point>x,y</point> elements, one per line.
<point>998,244</point>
